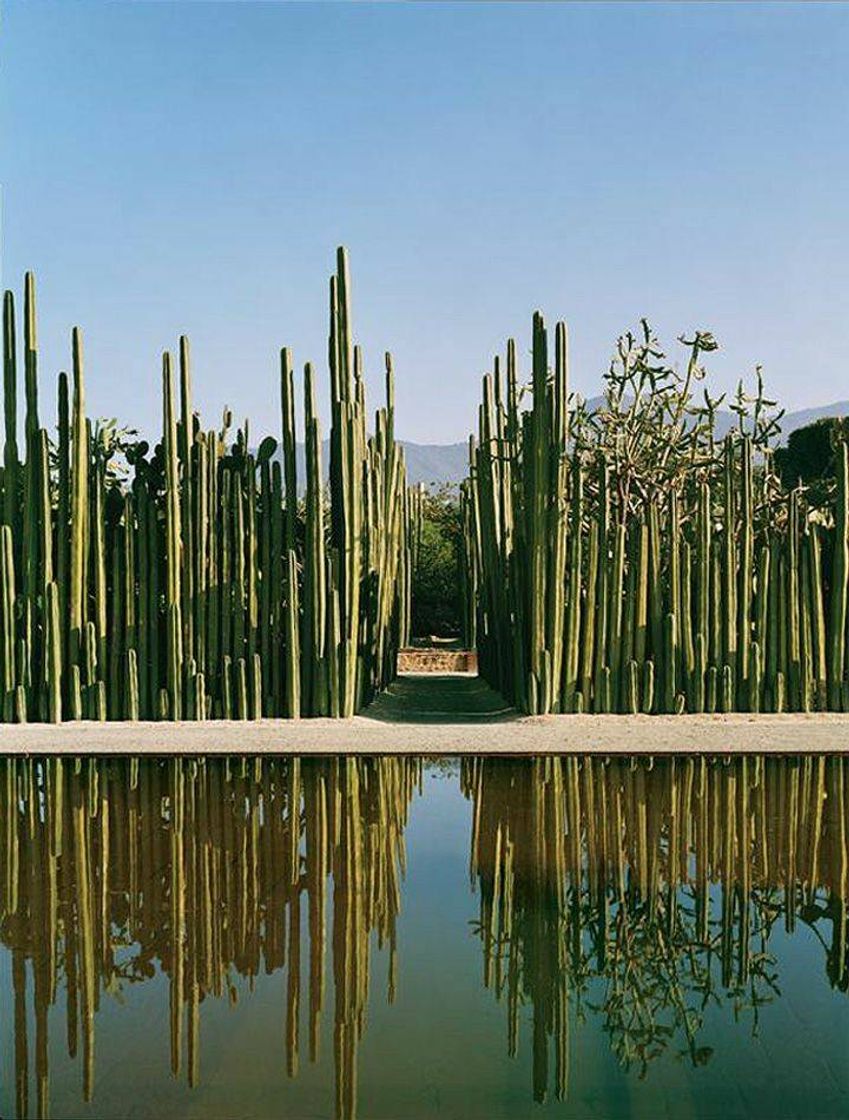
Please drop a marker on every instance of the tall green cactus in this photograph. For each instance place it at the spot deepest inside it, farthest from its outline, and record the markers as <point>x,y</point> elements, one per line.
<point>173,545</point>
<point>206,549</point>
<point>839,578</point>
<point>691,569</point>
<point>590,586</point>
<point>79,504</point>
<point>10,411</point>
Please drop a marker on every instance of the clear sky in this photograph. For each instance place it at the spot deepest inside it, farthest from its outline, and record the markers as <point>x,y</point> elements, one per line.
<point>191,167</point>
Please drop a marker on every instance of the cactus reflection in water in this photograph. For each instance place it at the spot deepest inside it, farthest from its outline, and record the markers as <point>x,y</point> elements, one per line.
<point>199,585</point>
<point>641,890</point>
<point>110,870</point>
<point>624,888</point>
<point>632,560</point>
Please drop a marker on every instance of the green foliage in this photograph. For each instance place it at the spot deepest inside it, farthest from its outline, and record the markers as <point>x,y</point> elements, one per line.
<point>436,602</point>
<point>810,456</point>
<point>633,544</point>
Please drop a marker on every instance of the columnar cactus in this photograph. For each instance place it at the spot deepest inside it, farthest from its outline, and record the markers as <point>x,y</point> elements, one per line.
<point>267,605</point>
<point>640,563</point>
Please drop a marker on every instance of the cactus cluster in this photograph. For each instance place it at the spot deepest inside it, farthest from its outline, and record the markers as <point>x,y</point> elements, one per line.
<point>208,867</point>
<point>631,560</point>
<point>201,585</point>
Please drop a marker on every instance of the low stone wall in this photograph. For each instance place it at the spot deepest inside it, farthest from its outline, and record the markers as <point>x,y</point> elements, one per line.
<point>436,660</point>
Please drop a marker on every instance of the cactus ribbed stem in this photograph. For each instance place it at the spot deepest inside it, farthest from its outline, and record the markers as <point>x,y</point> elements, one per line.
<point>205,548</point>
<point>684,555</point>
<point>605,568</point>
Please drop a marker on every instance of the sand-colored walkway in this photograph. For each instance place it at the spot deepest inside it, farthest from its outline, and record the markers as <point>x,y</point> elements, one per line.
<point>442,714</point>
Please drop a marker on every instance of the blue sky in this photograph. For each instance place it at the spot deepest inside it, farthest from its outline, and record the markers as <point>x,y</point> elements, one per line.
<point>191,167</point>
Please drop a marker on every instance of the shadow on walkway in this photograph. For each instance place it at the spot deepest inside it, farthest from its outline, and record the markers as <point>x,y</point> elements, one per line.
<point>439,698</point>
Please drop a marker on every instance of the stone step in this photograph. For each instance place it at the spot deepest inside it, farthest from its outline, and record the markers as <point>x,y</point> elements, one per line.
<point>432,659</point>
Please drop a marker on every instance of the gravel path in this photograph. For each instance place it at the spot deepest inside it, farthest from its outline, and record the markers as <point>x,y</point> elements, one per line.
<point>450,714</point>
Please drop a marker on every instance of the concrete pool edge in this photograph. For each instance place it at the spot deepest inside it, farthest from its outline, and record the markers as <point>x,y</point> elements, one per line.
<point>737,733</point>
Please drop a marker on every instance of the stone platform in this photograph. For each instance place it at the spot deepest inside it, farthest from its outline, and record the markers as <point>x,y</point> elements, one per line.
<point>436,660</point>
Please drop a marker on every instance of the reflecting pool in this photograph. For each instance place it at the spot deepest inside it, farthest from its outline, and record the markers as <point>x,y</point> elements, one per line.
<point>392,937</point>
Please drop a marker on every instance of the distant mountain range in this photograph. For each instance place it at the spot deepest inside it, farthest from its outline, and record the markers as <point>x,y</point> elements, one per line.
<point>725,421</point>
<point>431,463</point>
<point>436,464</point>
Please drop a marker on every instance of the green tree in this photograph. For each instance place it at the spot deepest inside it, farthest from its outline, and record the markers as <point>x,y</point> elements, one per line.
<point>436,580</point>
<point>809,456</point>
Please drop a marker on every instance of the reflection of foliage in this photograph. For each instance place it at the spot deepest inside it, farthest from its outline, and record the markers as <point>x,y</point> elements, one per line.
<point>642,966</point>
<point>660,978</point>
<point>645,894</point>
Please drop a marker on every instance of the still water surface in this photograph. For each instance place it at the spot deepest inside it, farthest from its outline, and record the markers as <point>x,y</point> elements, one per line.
<point>396,938</point>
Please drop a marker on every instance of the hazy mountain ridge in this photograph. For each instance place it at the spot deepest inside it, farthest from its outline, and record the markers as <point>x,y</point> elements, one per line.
<point>430,463</point>
<point>437,464</point>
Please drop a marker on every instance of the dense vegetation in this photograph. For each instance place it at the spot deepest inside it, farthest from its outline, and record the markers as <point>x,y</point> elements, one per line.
<point>629,560</point>
<point>811,456</point>
<point>625,559</point>
<point>437,592</point>
<point>198,585</point>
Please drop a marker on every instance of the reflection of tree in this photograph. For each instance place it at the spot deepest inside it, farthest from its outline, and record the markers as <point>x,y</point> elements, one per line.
<point>109,869</point>
<point>646,892</point>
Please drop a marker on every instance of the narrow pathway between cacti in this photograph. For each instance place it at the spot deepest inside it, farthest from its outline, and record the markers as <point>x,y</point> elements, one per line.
<point>439,698</point>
